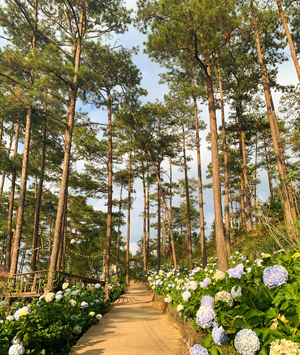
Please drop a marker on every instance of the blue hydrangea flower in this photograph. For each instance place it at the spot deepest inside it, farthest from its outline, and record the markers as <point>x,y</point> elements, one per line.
<point>219,336</point>
<point>198,350</point>
<point>246,342</point>
<point>205,282</point>
<point>208,301</point>
<point>236,272</point>
<point>205,317</point>
<point>275,276</point>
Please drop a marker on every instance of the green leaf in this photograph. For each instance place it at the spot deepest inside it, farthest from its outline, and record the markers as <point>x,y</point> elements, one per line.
<point>213,350</point>
<point>208,340</point>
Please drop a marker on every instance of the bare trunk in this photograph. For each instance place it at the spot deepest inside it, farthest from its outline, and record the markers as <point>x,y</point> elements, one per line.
<point>68,141</point>
<point>288,209</point>
<point>158,220</point>
<point>148,214</point>
<point>164,233</point>
<point>187,198</point>
<point>226,171</point>
<point>144,220</point>
<point>109,195</point>
<point>38,205</point>
<point>242,190</point>
<point>268,169</point>
<point>223,264</point>
<point>11,205</point>
<point>119,231</point>
<point>289,38</point>
<point>128,220</point>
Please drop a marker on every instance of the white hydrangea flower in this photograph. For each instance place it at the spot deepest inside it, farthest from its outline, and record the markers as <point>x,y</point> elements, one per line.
<point>99,317</point>
<point>219,275</point>
<point>186,295</point>
<point>24,311</point>
<point>193,285</point>
<point>10,318</point>
<point>77,330</point>
<point>73,303</point>
<point>59,297</point>
<point>168,299</point>
<point>65,285</point>
<point>97,286</point>
<point>180,308</point>
<point>16,349</point>
<point>92,314</point>
<point>84,305</point>
<point>224,297</point>
<point>236,291</point>
<point>283,346</point>
<point>49,297</point>
<point>246,342</point>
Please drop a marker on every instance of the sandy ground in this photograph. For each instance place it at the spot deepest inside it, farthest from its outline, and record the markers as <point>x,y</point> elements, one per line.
<point>134,326</point>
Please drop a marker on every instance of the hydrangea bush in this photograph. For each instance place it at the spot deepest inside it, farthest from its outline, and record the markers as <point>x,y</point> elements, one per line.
<point>253,308</point>
<point>54,322</point>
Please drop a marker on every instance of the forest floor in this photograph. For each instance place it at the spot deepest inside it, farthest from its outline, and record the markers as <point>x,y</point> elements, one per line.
<point>133,326</point>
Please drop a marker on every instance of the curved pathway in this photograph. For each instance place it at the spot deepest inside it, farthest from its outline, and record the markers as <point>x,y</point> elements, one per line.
<point>134,326</point>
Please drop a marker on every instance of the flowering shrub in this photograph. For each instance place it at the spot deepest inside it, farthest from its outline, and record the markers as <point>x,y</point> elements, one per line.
<point>256,308</point>
<point>198,350</point>
<point>53,323</point>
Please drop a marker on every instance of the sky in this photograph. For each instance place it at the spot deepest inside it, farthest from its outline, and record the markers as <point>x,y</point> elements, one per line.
<point>150,77</point>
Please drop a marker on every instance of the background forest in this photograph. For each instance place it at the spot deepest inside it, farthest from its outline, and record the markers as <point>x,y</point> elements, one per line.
<point>60,62</point>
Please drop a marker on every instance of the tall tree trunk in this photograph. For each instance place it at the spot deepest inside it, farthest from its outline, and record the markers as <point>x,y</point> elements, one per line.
<point>109,195</point>
<point>200,189</point>
<point>4,172</point>
<point>159,184</point>
<point>289,38</point>
<point>164,233</point>
<point>255,179</point>
<point>128,219</point>
<point>68,141</point>
<point>288,209</point>
<point>119,231</point>
<point>242,179</point>
<point>144,219</point>
<point>38,205</point>
<point>223,263</point>
<point>158,219</point>
<point>148,214</point>
<point>187,198</point>
<point>11,203</point>
<point>246,180</point>
<point>268,168</point>
<point>226,170</point>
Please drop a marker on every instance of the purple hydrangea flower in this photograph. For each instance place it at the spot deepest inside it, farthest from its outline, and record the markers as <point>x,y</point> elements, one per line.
<point>208,301</point>
<point>205,317</point>
<point>275,276</point>
<point>219,336</point>
<point>237,271</point>
<point>205,282</point>
<point>198,350</point>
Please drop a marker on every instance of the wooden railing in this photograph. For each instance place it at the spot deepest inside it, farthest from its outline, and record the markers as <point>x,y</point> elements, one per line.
<point>31,284</point>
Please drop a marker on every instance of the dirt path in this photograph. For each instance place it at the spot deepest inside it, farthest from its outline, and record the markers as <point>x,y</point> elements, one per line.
<point>134,326</point>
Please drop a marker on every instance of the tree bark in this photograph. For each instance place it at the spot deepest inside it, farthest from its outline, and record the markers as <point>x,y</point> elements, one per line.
<point>187,198</point>
<point>68,141</point>
<point>289,38</point>
<point>119,231</point>
<point>110,193</point>
<point>158,219</point>
<point>223,263</point>
<point>277,146</point>
<point>268,168</point>
<point>128,219</point>
<point>144,219</point>
<point>148,214</point>
<point>38,205</point>
<point>11,204</point>
<point>226,170</point>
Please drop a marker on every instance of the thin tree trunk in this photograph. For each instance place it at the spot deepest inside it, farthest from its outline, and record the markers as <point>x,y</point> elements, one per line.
<point>289,38</point>
<point>255,181</point>
<point>109,195</point>
<point>226,170</point>
<point>119,231</point>
<point>158,220</point>
<point>200,189</point>
<point>187,198</point>
<point>242,177</point>
<point>164,233</point>
<point>148,214</point>
<point>68,141</point>
<point>268,168</point>
<point>38,205</point>
<point>247,187</point>
<point>4,172</point>
<point>11,204</point>
<point>288,210</point>
<point>223,263</point>
<point>144,219</point>
<point>128,219</point>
